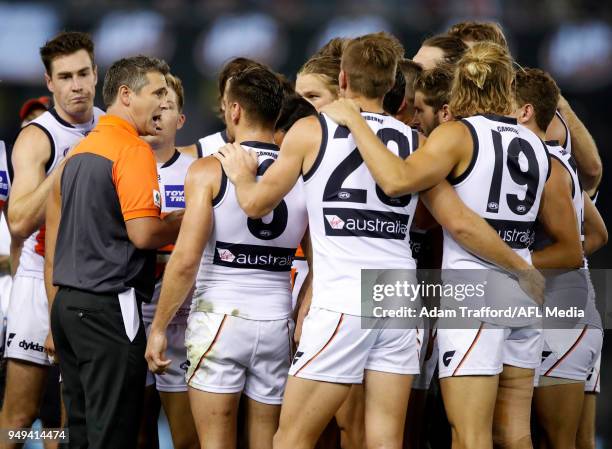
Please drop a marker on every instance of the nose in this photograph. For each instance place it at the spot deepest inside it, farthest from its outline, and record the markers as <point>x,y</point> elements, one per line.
<point>76,85</point>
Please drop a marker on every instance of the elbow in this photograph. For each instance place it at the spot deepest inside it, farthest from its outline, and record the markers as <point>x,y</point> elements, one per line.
<point>591,174</point>
<point>255,210</point>
<point>575,259</point>
<point>459,229</point>
<point>20,229</point>
<point>394,188</point>
<point>143,242</point>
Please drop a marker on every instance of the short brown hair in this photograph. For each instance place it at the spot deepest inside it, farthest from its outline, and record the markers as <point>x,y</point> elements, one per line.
<point>175,83</point>
<point>452,46</point>
<point>232,67</point>
<point>370,63</point>
<point>435,85</point>
<point>130,72</point>
<point>259,92</point>
<point>411,71</point>
<point>327,68</point>
<point>479,32</point>
<point>66,43</point>
<point>536,87</point>
<point>482,83</point>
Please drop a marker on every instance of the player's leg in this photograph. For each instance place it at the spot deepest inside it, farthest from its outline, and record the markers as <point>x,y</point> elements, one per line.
<point>215,416</point>
<point>261,423</point>
<point>308,406</point>
<point>585,437</point>
<point>27,366</point>
<point>148,434</point>
<point>386,402</point>
<point>558,410</point>
<point>512,419</point>
<point>351,419</point>
<point>469,364</point>
<point>178,411</point>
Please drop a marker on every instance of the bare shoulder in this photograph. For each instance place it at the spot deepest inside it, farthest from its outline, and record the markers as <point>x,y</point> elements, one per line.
<point>189,150</point>
<point>204,172</point>
<point>32,144</point>
<point>304,135</point>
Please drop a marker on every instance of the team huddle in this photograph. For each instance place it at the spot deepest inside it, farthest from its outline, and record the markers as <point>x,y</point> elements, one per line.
<point>233,267</point>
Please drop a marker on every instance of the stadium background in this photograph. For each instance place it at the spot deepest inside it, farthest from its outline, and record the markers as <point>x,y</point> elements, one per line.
<point>571,39</point>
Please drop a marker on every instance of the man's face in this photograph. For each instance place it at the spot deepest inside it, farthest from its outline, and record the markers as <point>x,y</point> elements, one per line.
<point>429,57</point>
<point>313,89</point>
<point>171,120</point>
<point>425,118</point>
<point>146,105</point>
<point>73,81</point>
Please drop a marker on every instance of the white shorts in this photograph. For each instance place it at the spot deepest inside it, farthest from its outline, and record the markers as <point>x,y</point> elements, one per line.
<point>428,359</point>
<point>593,384</point>
<point>570,353</point>
<point>27,321</point>
<point>229,354</point>
<point>334,348</point>
<point>173,379</point>
<point>485,350</point>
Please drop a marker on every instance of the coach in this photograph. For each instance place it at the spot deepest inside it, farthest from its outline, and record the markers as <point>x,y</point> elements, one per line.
<point>103,221</point>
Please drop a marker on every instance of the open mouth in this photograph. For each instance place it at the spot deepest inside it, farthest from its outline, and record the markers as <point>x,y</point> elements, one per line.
<point>157,122</point>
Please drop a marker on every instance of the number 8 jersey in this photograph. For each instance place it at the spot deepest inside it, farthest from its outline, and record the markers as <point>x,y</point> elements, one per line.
<point>503,184</point>
<point>246,267</point>
<point>353,224</point>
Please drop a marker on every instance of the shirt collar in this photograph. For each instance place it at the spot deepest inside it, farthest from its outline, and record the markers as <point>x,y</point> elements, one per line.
<point>113,120</point>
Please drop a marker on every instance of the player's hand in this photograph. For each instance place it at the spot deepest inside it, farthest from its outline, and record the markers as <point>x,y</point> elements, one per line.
<point>237,162</point>
<point>175,215</point>
<point>50,347</point>
<point>155,352</point>
<point>342,111</point>
<point>533,283</point>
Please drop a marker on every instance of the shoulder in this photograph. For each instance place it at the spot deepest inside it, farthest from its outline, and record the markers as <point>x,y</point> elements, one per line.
<point>33,141</point>
<point>307,130</point>
<point>204,172</point>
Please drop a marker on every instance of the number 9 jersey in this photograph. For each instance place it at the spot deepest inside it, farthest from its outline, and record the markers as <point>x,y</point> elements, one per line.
<point>246,267</point>
<point>503,184</point>
<point>353,224</point>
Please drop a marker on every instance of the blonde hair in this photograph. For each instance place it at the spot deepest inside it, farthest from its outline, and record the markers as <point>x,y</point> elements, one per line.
<point>327,69</point>
<point>175,83</point>
<point>483,82</point>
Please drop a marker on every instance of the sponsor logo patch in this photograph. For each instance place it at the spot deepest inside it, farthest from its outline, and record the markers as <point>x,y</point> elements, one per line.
<point>297,357</point>
<point>253,256</point>
<point>345,222</point>
<point>10,339</point>
<point>156,198</point>
<point>516,234</point>
<point>31,346</point>
<point>3,183</point>
<point>174,196</point>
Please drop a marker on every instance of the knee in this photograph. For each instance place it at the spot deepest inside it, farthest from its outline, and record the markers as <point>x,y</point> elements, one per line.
<point>352,437</point>
<point>466,437</point>
<point>22,418</point>
<point>585,442</point>
<point>512,442</point>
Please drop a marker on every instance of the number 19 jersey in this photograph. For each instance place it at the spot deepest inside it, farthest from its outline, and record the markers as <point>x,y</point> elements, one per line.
<point>246,267</point>
<point>503,184</point>
<point>353,224</point>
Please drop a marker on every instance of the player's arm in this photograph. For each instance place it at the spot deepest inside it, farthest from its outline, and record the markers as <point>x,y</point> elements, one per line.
<point>53,214</point>
<point>584,149</point>
<point>595,232</point>
<point>258,198</point>
<point>154,232</point>
<point>475,235</point>
<point>201,186</point>
<point>31,186</point>
<point>304,299</point>
<point>428,166</point>
<point>558,218</point>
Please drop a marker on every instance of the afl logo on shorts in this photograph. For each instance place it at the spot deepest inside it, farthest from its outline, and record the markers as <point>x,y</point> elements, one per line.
<point>447,357</point>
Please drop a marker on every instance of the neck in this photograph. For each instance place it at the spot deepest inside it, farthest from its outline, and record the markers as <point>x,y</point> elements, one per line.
<point>366,104</point>
<point>74,119</point>
<point>121,112</point>
<point>163,152</point>
<point>535,129</point>
<point>265,135</point>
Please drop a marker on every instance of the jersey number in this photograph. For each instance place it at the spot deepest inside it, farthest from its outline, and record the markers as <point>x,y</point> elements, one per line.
<point>334,190</point>
<point>280,215</point>
<point>529,177</point>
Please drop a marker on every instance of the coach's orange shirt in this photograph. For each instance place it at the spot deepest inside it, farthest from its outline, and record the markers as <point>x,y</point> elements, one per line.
<point>109,178</point>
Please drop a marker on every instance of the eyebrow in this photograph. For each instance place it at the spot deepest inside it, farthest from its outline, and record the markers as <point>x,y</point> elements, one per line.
<point>82,69</point>
<point>160,90</point>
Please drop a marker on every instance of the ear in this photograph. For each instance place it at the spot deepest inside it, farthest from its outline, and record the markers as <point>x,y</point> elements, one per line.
<point>181,121</point>
<point>235,112</point>
<point>342,80</point>
<point>124,95</point>
<point>49,82</point>
<point>445,114</point>
<point>525,113</point>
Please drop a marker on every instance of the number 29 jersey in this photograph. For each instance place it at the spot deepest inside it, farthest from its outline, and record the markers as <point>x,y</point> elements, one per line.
<point>503,184</point>
<point>246,266</point>
<point>353,224</point>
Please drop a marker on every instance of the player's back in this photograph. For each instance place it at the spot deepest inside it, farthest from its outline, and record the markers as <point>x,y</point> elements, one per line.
<point>246,266</point>
<point>503,184</point>
<point>353,224</point>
